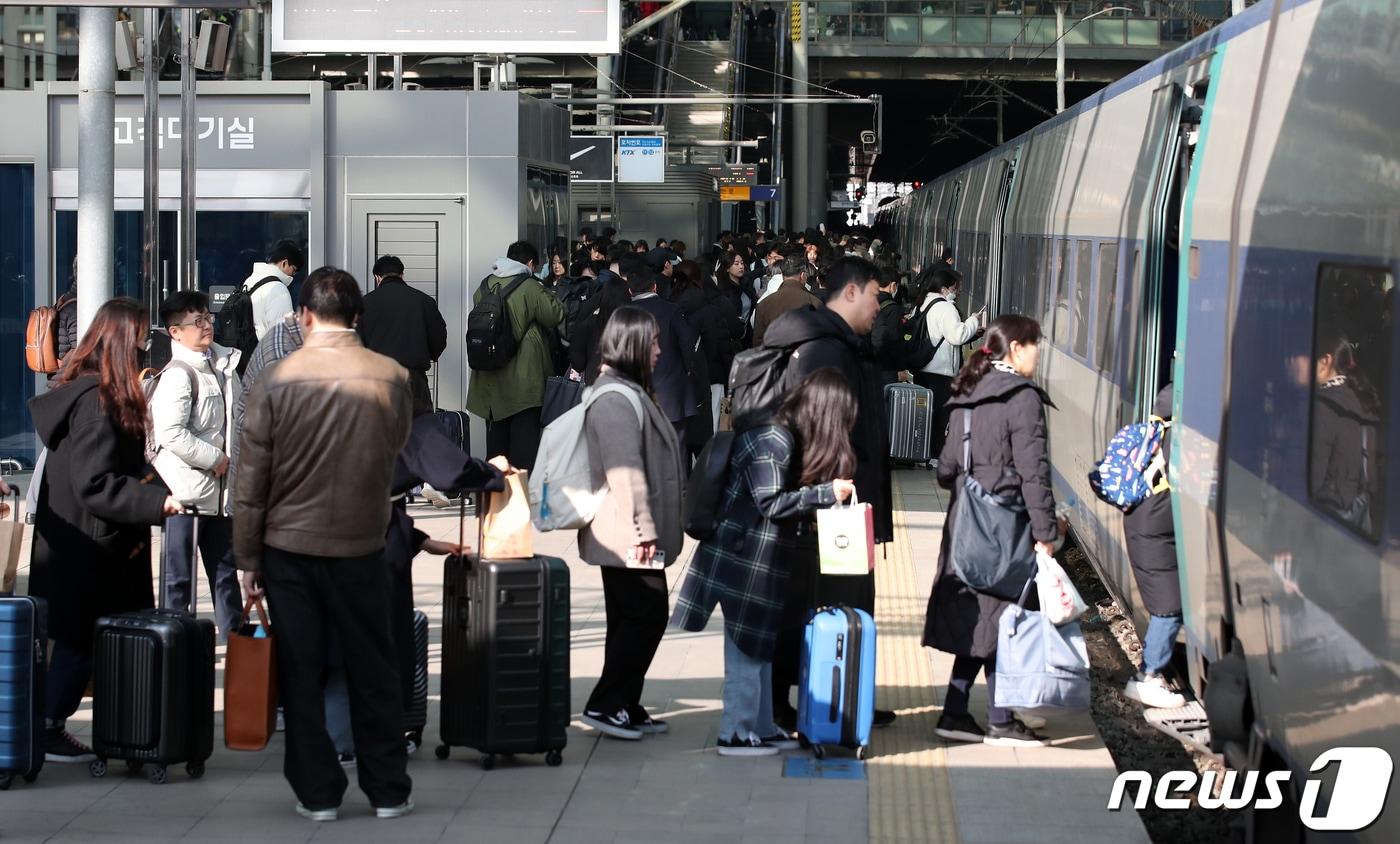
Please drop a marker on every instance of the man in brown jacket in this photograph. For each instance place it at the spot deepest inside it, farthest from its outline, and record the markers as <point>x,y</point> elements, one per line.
<point>310,529</point>
<point>790,295</point>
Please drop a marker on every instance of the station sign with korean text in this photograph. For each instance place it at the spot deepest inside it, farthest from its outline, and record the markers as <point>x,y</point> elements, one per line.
<point>641,159</point>
<point>235,132</point>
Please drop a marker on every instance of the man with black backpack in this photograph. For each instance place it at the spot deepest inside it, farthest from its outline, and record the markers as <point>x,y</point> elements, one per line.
<point>264,298</point>
<point>508,352</point>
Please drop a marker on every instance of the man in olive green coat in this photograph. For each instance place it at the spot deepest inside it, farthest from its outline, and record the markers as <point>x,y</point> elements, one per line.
<point>509,399</point>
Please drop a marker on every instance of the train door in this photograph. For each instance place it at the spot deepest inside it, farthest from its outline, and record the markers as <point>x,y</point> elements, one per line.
<point>426,234</point>
<point>999,268</point>
<point>1155,331</point>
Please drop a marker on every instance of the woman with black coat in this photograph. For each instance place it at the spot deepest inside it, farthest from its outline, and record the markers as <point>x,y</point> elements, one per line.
<point>1010,456</point>
<point>92,528</point>
<point>583,346</point>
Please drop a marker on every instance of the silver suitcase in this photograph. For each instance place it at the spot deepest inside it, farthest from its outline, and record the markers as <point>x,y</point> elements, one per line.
<point>910,410</point>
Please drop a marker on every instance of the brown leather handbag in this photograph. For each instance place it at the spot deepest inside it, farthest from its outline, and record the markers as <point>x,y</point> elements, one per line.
<point>250,684</point>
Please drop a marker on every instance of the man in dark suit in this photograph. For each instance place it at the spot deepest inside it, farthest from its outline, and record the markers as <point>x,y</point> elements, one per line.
<point>404,323</point>
<point>673,379</point>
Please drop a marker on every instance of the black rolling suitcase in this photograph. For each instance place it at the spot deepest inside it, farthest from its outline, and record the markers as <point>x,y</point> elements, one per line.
<point>457,426</point>
<point>153,687</point>
<point>505,657</point>
<point>23,637</point>
<point>910,409</point>
<point>415,714</point>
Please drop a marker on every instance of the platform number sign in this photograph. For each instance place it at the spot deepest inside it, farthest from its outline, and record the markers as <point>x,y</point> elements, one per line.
<point>641,159</point>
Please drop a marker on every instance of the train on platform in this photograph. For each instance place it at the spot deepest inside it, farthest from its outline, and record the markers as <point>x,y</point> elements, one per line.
<point>1227,220</point>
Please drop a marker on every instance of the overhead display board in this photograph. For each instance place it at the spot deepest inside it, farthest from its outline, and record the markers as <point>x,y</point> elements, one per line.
<point>446,26</point>
<point>591,158</point>
<point>641,159</point>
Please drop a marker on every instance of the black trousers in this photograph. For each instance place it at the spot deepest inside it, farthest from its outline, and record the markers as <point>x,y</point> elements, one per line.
<point>637,610</point>
<point>517,437</point>
<point>942,387</point>
<point>313,598</point>
<point>216,550</point>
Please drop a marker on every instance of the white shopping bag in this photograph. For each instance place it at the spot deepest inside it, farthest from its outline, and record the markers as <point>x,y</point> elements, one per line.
<point>1059,600</point>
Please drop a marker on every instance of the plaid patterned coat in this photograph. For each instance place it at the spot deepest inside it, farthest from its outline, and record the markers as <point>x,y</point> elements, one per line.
<point>736,568</point>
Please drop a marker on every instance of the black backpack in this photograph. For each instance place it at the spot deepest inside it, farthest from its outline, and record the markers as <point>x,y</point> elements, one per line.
<point>756,385</point>
<point>491,341</point>
<point>574,296</point>
<point>916,348</point>
<point>704,491</point>
<point>235,327</point>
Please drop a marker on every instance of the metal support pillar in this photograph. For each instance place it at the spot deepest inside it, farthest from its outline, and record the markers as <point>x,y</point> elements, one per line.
<point>14,56</point>
<point>818,193</point>
<point>801,135</point>
<point>372,73</point>
<point>604,111</point>
<point>265,14</point>
<point>152,286</point>
<point>97,107</point>
<point>778,219</point>
<point>1060,56</point>
<point>398,71</point>
<point>51,36</point>
<point>189,165</point>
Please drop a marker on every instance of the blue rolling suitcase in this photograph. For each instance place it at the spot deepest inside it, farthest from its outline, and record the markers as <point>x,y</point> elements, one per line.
<point>23,637</point>
<point>837,701</point>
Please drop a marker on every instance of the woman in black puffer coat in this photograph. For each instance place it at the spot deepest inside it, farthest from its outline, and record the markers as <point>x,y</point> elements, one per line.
<point>1010,455</point>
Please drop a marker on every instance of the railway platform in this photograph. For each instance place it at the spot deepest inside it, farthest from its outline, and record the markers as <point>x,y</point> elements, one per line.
<point>670,788</point>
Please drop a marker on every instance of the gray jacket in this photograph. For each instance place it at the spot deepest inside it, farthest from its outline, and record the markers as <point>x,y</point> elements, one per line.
<point>642,468</point>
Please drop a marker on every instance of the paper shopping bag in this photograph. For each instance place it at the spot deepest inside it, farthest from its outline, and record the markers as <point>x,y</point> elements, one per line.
<point>11,545</point>
<point>506,531</point>
<point>250,683</point>
<point>846,539</point>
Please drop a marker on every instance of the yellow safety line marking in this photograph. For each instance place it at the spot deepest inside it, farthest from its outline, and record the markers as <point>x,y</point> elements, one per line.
<point>910,795</point>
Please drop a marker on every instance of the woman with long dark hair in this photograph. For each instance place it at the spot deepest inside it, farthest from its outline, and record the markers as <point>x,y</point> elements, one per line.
<point>801,462</point>
<point>92,554</point>
<point>633,451</point>
<point>997,433</point>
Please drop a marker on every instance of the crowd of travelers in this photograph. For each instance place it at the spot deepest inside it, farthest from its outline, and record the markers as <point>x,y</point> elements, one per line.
<point>242,437</point>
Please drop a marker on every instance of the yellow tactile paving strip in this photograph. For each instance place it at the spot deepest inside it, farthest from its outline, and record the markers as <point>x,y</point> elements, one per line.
<point>910,796</point>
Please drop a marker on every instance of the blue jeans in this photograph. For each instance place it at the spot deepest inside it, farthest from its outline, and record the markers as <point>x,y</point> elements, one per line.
<point>1158,643</point>
<point>748,695</point>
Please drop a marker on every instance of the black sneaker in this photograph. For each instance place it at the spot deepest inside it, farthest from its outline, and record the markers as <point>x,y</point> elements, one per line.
<point>640,719</point>
<point>617,726</point>
<point>1014,734</point>
<point>959,728</point>
<point>751,746</point>
<point>60,746</point>
<point>347,760</point>
<point>884,717</point>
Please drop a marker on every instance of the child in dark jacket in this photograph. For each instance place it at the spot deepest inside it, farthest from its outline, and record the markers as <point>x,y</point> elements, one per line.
<point>737,567</point>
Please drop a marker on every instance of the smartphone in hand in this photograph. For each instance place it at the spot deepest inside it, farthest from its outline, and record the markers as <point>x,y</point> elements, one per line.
<point>656,563</point>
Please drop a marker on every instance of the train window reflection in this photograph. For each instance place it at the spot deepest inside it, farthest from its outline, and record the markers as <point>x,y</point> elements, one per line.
<point>1108,292</point>
<point>1060,331</point>
<point>1350,375</point>
<point>1083,281</point>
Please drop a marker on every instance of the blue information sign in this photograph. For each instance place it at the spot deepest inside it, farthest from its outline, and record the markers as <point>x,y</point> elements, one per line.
<point>641,159</point>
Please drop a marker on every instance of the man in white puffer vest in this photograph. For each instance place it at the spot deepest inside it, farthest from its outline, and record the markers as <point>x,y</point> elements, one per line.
<point>191,420</point>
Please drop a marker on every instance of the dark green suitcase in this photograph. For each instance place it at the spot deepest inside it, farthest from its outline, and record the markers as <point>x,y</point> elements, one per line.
<point>505,657</point>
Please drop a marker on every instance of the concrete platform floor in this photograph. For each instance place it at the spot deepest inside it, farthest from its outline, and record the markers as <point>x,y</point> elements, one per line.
<point>671,788</point>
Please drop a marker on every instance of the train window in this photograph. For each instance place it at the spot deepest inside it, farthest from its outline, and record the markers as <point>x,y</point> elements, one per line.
<point>1108,292</point>
<point>1031,302</point>
<point>1083,281</point>
<point>1353,326</point>
<point>1060,331</point>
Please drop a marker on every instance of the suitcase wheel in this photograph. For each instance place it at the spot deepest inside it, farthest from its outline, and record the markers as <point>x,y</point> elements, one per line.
<point>98,768</point>
<point>158,775</point>
<point>862,752</point>
<point>819,751</point>
<point>488,762</point>
<point>195,770</point>
<point>5,781</point>
<point>443,751</point>
<point>554,758</point>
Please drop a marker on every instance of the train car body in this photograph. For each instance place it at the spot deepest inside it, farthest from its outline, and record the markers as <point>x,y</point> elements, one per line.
<point>1217,220</point>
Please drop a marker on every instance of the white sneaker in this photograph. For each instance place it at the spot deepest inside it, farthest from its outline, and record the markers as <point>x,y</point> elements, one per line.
<point>318,815</point>
<point>1035,722</point>
<point>1152,690</point>
<point>385,813</point>
<point>436,498</point>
